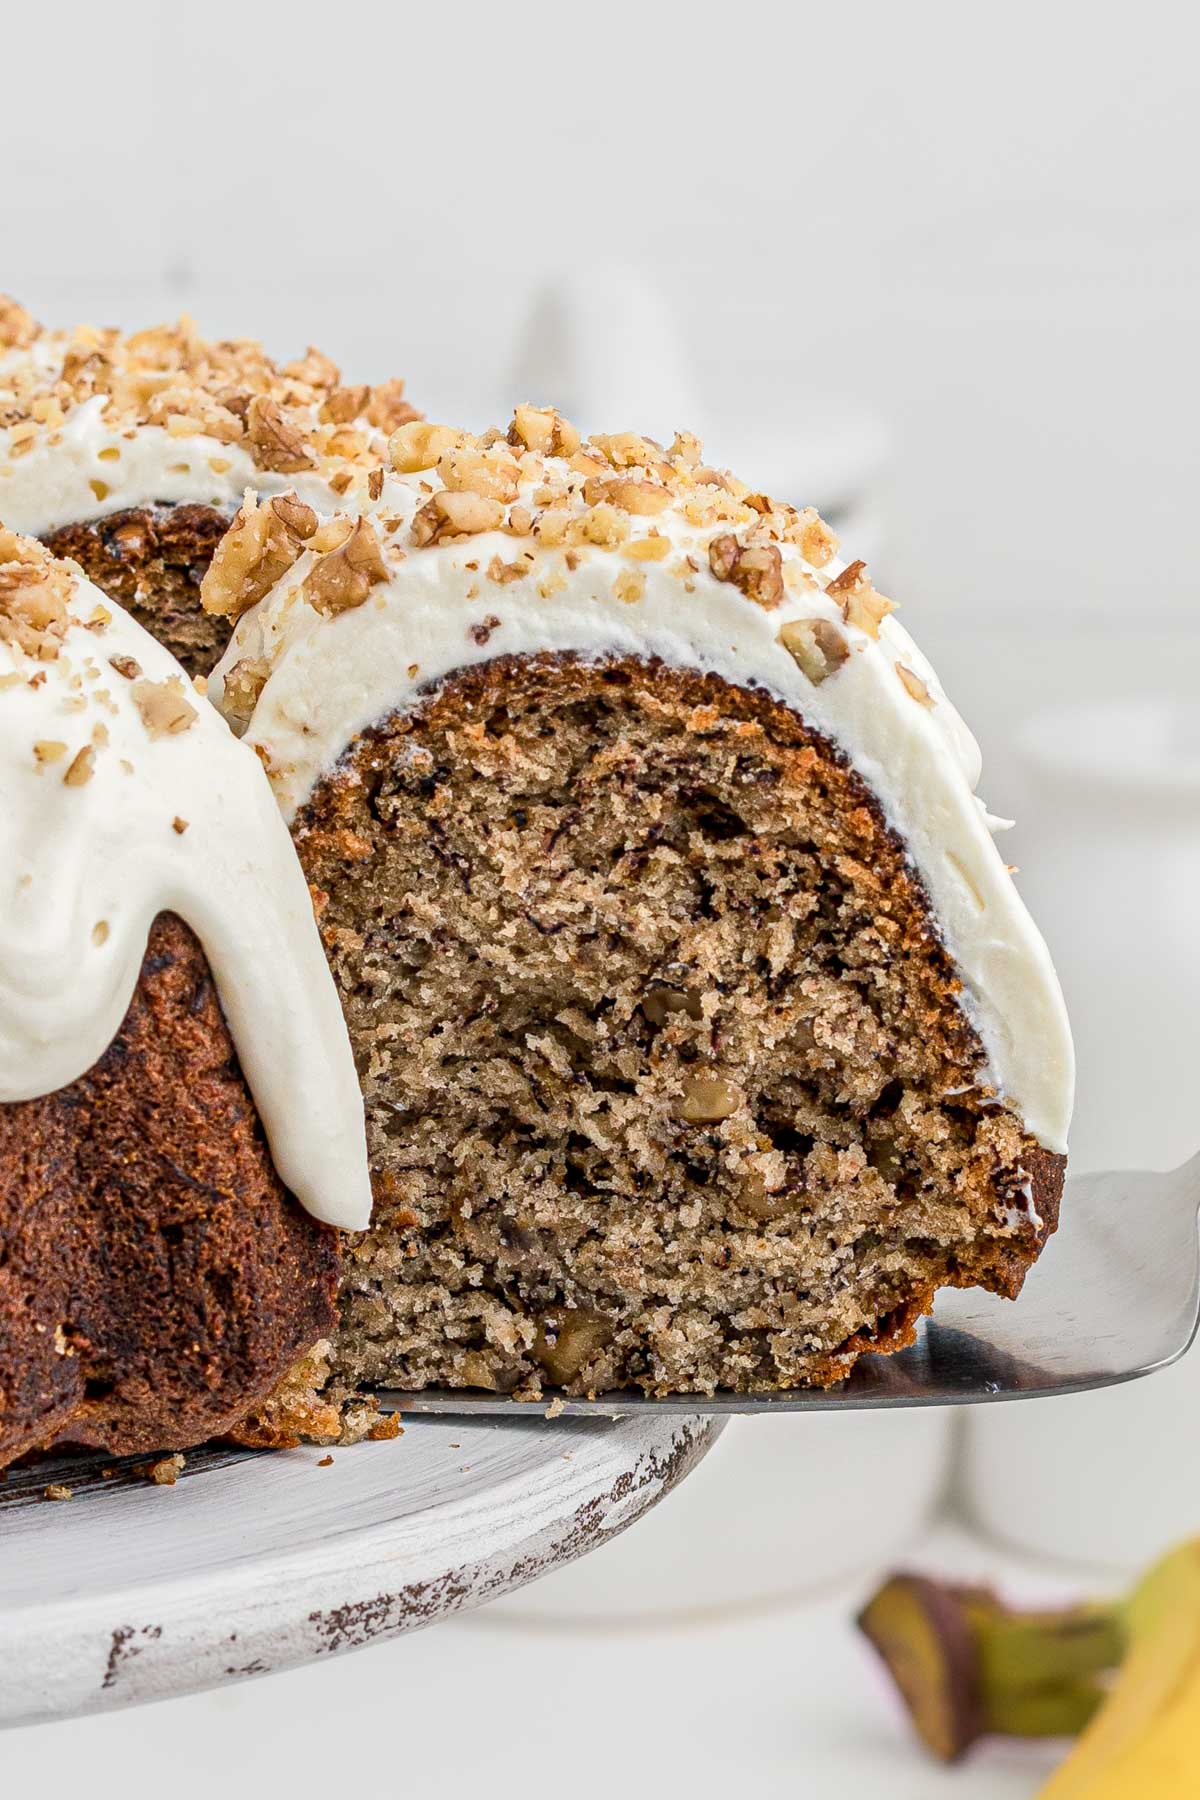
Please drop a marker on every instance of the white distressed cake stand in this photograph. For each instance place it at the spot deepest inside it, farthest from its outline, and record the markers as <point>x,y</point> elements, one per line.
<point>259,1561</point>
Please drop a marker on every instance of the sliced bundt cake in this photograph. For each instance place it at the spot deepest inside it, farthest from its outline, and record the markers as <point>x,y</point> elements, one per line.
<point>178,1104</point>
<point>130,453</point>
<point>703,1034</point>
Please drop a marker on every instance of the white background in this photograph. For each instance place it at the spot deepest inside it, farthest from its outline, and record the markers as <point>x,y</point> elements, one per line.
<point>974,225</point>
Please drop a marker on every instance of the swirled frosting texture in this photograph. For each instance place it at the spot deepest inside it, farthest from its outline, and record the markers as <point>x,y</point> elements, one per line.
<point>122,795</point>
<point>478,548</point>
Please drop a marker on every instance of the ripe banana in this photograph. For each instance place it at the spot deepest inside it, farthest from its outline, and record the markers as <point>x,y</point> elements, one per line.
<point>1144,1743</point>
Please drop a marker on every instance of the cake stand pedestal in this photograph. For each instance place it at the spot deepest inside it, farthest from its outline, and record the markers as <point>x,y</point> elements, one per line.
<point>254,1562</point>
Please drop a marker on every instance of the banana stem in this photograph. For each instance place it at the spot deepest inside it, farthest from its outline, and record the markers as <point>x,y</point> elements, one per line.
<point>968,1666</point>
<point>1061,1711</point>
<point>1022,1650</point>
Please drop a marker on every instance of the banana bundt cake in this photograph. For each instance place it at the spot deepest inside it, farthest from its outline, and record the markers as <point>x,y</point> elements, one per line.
<point>180,1121</point>
<point>702,1032</point>
<point>130,453</point>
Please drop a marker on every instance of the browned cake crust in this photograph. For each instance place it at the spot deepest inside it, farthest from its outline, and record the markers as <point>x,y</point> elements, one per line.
<point>151,560</point>
<point>668,1084</point>
<point>156,1280</point>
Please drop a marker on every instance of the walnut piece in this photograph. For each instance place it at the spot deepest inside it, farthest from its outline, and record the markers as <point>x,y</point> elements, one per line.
<point>243,685</point>
<point>164,706</point>
<point>817,543</point>
<point>706,1100</point>
<point>914,685</point>
<point>387,409</point>
<point>816,645</point>
<point>277,439</point>
<point>466,471</point>
<point>18,328</point>
<point>344,577</point>
<point>448,514</point>
<point>418,445</point>
<point>757,569</point>
<point>257,551</point>
<point>34,591</point>
<point>861,605</point>
<point>568,1339</point>
<point>544,431</point>
<point>82,768</point>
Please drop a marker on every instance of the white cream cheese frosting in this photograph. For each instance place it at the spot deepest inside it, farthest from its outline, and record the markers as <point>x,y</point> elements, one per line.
<point>323,669</point>
<point>123,794</point>
<point>94,422</point>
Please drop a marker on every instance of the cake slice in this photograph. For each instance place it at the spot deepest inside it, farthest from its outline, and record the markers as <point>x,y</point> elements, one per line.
<point>130,453</point>
<point>180,1122</point>
<point>702,1031</point>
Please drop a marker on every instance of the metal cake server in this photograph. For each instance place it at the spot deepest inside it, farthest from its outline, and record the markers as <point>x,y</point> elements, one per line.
<point>1115,1294</point>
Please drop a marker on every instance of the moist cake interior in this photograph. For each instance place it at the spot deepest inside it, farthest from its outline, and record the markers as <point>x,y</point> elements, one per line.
<point>668,1084</point>
<point>151,560</point>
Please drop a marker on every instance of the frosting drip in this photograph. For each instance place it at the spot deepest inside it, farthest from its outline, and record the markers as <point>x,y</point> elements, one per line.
<point>122,795</point>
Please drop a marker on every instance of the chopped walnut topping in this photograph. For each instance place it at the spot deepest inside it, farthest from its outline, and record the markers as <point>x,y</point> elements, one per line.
<point>652,548</point>
<point>626,450</point>
<point>503,572</point>
<point>344,577</point>
<point>258,549</point>
<point>686,451</point>
<point>629,586</point>
<point>914,685</point>
<point>49,750</point>
<point>295,517</point>
<point>448,514</point>
<point>290,418</point>
<point>243,685</point>
<point>861,605</point>
<point>314,370</point>
<point>544,431</point>
<point>81,769</point>
<point>387,408</point>
<point>164,706</point>
<point>817,543</point>
<point>817,647</point>
<point>418,446</point>
<point>375,483</point>
<point>341,405</point>
<point>605,525</point>
<point>17,327</point>
<point>757,569</point>
<point>277,438</point>
<point>644,498</point>
<point>472,472</point>
<point>34,591</point>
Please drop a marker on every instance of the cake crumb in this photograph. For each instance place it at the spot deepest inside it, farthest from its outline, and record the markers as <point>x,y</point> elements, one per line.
<point>164,1471</point>
<point>56,1491</point>
<point>324,1462</point>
